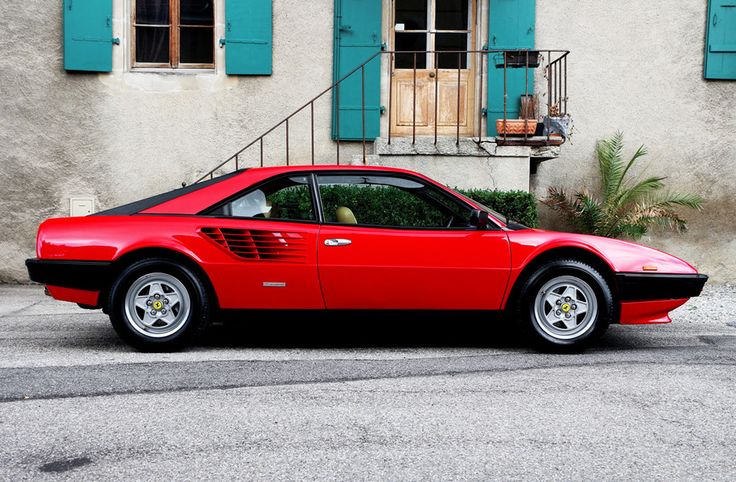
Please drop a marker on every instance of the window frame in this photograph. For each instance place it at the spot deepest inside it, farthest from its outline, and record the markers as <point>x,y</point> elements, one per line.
<point>174,27</point>
<point>431,32</point>
<point>316,206</point>
<point>493,224</point>
<point>442,192</point>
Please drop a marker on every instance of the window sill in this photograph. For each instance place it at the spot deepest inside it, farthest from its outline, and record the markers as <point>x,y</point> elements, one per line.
<point>156,70</point>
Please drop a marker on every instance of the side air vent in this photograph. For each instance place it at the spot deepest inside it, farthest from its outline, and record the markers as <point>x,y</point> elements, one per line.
<point>258,245</point>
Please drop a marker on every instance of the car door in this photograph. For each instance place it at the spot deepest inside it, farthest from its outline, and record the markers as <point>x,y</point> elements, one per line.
<point>268,237</point>
<point>391,241</point>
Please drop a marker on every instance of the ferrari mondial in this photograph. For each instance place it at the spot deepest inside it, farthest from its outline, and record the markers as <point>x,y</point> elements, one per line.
<point>345,238</point>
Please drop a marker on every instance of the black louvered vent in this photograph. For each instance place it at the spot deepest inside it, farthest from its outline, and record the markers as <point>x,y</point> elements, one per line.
<point>258,245</point>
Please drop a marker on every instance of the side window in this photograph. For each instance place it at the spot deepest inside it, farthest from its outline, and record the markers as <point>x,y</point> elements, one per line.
<point>388,201</point>
<point>286,198</point>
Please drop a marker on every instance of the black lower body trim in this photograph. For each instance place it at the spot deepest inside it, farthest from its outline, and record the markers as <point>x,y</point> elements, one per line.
<point>655,286</point>
<point>82,275</point>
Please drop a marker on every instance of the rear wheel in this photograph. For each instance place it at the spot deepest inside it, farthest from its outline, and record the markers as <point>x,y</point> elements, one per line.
<point>565,304</point>
<point>158,305</point>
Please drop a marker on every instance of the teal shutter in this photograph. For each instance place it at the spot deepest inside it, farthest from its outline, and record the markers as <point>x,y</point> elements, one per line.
<point>720,49</point>
<point>88,35</point>
<point>248,37</point>
<point>511,27</point>
<point>357,38</point>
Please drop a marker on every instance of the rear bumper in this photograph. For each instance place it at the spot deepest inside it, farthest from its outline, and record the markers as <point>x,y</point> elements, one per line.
<point>655,286</point>
<point>78,275</point>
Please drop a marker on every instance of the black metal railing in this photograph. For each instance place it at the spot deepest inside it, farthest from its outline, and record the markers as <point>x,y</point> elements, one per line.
<point>555,74</point>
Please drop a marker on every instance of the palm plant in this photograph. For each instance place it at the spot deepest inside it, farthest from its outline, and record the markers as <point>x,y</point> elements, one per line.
<point>628,205</point>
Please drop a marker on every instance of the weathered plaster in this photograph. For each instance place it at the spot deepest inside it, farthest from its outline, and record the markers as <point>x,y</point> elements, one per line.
<point>125,135</point>
<point>506,173</point>
<point>638,67</point>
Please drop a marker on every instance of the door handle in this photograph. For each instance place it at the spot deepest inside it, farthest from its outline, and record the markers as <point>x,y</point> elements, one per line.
<point>337,242</point>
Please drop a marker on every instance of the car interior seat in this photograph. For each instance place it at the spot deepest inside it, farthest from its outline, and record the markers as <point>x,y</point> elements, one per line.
<point>344,215</point>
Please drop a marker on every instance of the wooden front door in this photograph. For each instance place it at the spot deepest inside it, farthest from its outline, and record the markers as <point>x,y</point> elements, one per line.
<point>434,87</point>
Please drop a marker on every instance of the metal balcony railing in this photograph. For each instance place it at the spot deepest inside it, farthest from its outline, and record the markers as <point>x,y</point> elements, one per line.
<point>552,62</point>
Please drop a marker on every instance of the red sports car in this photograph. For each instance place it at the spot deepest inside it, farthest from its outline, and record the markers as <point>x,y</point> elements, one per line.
<point>345,238</point>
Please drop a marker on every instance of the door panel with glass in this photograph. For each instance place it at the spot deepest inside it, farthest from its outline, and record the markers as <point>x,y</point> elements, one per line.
<point>432,81</point>
<point>395,242</point>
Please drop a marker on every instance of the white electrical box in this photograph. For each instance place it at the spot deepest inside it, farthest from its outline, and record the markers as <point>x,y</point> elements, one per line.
<point>81,206</point>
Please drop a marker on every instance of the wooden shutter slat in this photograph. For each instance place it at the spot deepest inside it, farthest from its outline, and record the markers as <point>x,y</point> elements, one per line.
<point>248,37</point>
<point>88,35</point>
<point>511,26</point>
<point>720,52</point>
<point>357,38</point>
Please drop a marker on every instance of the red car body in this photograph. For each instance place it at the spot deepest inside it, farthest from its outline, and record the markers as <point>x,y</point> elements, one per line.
<point>383,268</point>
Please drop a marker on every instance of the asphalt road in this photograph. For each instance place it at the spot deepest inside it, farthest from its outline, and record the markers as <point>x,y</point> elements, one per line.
<point>451,399</point>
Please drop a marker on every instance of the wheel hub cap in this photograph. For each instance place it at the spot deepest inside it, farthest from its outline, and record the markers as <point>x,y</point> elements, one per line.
<point>157,305</point>
<point>565,307</point>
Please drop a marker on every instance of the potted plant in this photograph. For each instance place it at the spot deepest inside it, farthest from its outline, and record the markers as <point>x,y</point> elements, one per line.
<point>555,124</point>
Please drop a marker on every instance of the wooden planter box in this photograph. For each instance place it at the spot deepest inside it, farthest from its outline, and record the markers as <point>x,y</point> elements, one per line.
<point>516,127</point>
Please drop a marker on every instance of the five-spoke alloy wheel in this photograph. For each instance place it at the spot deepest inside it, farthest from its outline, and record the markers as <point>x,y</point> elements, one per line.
<point>158,305</point>
<point>564,304</point>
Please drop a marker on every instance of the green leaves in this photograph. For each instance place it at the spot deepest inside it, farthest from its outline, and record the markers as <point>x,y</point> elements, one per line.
<point>629,205</point>
<point>393,207</point>
<point>520,206</point>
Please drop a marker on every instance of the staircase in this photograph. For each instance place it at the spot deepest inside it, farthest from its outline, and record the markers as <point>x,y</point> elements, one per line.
<point>389,150</point>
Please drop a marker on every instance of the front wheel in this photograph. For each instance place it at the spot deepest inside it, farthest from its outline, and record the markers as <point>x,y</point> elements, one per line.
<point>158,305</point>
<point>565,304</point>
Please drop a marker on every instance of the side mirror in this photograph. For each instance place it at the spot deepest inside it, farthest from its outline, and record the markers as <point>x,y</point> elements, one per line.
<point>478,218</point>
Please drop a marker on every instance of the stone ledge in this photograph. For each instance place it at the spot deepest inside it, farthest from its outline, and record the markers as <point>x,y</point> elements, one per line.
<point>446,146</point>
<point>425,146</point>
<point>543,153</point>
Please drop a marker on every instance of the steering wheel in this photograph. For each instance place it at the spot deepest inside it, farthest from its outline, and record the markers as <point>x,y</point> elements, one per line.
<point>449,223</point>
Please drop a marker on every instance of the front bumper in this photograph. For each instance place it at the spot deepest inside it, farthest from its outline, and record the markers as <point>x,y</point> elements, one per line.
<point>655,286</point>
<point>79,275</point>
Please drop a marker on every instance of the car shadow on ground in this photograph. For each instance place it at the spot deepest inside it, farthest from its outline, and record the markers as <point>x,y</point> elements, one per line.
<point>362,330</point>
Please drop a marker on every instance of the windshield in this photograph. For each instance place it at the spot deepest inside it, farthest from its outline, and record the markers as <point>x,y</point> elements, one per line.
<point>510,223</point>
<point>500,216</point>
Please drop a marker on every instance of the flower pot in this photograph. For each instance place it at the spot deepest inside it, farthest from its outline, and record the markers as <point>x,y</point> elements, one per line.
<point>516,127</point>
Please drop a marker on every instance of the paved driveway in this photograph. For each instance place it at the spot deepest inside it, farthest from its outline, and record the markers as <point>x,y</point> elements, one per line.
<point>400,399</point>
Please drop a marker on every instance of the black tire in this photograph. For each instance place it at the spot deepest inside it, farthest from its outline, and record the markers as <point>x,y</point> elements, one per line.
<point>191,326</point>
<point>539,332</point>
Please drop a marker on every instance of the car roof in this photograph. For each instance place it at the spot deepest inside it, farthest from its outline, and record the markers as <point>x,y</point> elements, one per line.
<point>221,187</point>
<point>330,167</point>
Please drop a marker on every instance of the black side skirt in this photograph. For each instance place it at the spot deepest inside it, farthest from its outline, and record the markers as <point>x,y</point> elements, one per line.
<point>82,275</point>
<point>654,286</point>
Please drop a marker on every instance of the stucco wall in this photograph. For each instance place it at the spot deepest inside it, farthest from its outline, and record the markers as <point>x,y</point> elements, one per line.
<point>638,67</point>
<point>126,135</point>
<point>635,66</point>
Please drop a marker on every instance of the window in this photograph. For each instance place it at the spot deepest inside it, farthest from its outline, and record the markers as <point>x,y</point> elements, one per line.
<point>173,34</point>
<point>286,198</point>
<point>380,200</point>
<point>434,25</point>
